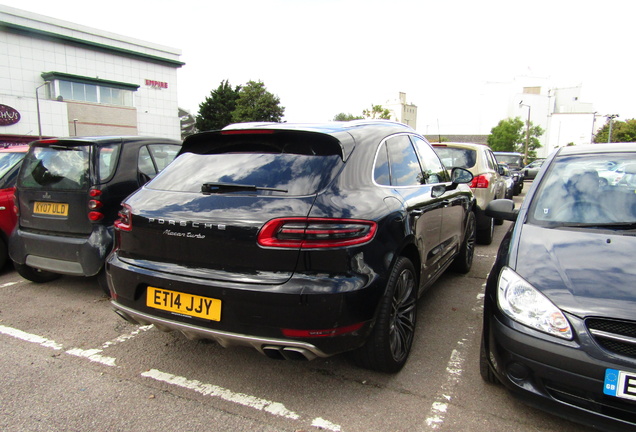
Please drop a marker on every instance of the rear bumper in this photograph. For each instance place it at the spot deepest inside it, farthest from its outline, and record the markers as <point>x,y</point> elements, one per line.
<point>560,378</point>
<point>76,256</point>
<point>255,314</point>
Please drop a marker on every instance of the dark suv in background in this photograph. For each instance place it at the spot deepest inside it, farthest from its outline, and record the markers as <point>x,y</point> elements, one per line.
<point>300,241</point>
<point>68,194</point>
<point>515,164</point>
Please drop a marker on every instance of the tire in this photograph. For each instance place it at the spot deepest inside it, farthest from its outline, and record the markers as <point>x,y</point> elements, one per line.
<point>484,235</point>
<point>3,253</point>
<point>102,282</point>
<point>484,366</point>
<point>389,343</point>
<point>35,275</point>
<point>464,260</point>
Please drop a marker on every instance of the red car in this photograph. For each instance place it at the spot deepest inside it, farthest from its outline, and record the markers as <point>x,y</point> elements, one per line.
<point>10,161</point>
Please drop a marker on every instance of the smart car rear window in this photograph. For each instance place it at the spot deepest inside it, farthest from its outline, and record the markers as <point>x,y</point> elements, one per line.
<point>56,167</point>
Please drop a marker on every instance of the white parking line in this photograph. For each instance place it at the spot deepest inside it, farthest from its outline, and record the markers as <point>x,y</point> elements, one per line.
<point>19,334</point>
<point>274,408</point>
<point>93,355</point>
<point>454,369</point>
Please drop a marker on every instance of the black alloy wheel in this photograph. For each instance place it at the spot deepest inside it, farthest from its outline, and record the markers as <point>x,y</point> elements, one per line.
<point>389,344</point>
<point>464,260</point>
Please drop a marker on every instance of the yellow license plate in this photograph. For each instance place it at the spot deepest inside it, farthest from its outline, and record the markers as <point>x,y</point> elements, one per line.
<point>50,208</point>
<point>185,304</point>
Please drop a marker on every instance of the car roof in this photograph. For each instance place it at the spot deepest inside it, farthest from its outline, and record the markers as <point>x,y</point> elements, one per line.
<point>104,140</point>
<point>507,153</point>
<point>597,148</point>
<point>460,145</point>
<point>22,148</point>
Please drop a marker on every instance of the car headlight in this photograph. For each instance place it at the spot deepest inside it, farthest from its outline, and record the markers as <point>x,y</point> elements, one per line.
<point>525,304</point>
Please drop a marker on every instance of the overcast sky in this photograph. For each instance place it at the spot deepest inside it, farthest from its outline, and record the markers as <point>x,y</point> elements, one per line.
<point>323,57</point>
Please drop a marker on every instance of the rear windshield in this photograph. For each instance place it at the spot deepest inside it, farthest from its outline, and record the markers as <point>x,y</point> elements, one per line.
<point>56,167</point>
<point>456,157</point>
<point>511,160</point>
<point>272,174</point>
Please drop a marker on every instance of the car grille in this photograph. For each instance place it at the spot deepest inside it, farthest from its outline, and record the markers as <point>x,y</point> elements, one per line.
<point>596,402</point>
<point>618,337</point>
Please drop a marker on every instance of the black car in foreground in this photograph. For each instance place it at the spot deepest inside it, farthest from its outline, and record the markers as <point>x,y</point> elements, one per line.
<point>68,195</point>
<point>560,307</point>
<point>301,241</point>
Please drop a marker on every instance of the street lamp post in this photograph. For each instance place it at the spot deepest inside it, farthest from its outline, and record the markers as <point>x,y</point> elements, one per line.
<point>37,103</point>
<point>610,117</point>
<point>75,125</point>
<point>525,155</point>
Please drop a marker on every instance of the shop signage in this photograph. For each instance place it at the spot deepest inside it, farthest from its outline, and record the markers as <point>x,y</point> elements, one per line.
<point>8,115</point>
<point>156,84</point>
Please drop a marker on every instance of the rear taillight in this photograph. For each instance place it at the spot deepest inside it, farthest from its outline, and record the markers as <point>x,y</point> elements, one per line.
<point>481,181</point>
<point>314,233</point>
<point>124,222</point>
<point>94,205</point>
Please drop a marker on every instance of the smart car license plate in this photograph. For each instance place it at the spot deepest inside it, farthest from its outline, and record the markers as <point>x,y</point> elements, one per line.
<point>620,384</point>
<point>184,304</point>
<point>50,208</point>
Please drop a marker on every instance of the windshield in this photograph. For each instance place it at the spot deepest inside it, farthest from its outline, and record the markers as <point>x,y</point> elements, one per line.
<point>597,189</point>
<point>8,161</point>
<point>56,167</point>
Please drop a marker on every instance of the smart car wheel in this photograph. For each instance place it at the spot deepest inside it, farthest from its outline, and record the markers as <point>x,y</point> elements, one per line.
<point>390,342</point>
<point>3,253</point>
<point>35,275</point>
<point>464,260</point>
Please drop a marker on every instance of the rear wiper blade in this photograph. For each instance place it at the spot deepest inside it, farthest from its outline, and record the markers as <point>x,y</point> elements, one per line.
<point>209,188</point>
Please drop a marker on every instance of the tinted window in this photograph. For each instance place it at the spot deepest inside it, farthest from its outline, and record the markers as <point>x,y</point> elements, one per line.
<point>381,173</point>
<point>144,163</point>
<point>292,174</point>
<point>56,167</point>
<point>163,154</point>
<point>434,171</point>
<point>108,156</point>
<point>405,167</point>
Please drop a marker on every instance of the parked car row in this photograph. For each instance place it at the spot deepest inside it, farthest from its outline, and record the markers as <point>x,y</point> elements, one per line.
<point>310,240</point>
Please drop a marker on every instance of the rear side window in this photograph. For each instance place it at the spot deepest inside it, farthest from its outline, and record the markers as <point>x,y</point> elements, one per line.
<point>107,157</point>
<point>56,167</point>
<point>271,165</point>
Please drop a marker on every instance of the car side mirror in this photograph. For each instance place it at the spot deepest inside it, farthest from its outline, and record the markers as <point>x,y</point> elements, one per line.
<point>461,176</point>
<point>502,209</point>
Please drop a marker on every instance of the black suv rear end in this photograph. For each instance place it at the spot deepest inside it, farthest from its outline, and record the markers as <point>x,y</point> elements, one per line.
<point>68,195</point>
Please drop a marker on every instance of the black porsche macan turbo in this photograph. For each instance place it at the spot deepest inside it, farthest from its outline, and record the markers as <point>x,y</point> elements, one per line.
<point>301,241</point>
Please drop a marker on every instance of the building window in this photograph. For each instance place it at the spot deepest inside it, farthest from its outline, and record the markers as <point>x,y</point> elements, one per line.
<point>83,89</point>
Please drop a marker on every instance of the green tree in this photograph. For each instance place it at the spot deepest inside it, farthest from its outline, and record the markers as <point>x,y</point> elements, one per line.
<point>216,111</point>
<point>346,117</point>
<point>255,103</point>
<point>377,112</point>
<point>510,135</point>
<point>622,131</point>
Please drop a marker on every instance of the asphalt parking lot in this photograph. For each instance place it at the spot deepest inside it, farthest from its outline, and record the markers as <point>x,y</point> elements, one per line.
<point>70,364</point>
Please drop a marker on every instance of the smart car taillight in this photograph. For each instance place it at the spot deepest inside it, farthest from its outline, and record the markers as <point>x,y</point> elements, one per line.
<point>124,222</point>
<point>94,205</point>
<point>315,233</point>
<point>480,182</point>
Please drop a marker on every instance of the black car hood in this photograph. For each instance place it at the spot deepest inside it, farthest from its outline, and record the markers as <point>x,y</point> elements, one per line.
<point>586,272</point>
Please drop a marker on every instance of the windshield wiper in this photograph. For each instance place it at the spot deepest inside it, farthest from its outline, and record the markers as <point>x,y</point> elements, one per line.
<point>608,225</point>
<point>210,188</point>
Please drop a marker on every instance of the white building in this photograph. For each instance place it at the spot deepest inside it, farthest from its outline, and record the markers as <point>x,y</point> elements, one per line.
<point>559,111</point>
<point>63,79</point>
<point>402,111</point>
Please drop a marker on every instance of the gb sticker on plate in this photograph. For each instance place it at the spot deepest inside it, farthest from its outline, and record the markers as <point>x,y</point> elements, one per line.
<point>620,384</point>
